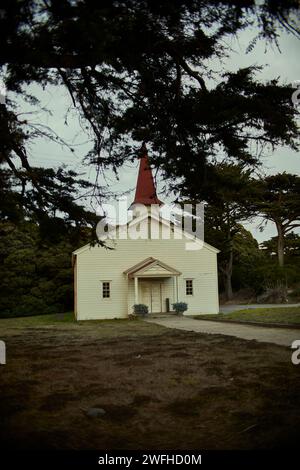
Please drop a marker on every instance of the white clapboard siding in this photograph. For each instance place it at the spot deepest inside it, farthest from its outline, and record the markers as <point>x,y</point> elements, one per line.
<point>97,264</point>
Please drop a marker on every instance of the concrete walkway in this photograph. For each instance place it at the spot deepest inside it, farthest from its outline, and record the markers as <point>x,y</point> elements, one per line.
<point>281,336</point>
<point>233,308</point>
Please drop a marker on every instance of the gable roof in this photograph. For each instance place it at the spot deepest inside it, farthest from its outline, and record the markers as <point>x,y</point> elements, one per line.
<point>147,264</point>
<point>174,228</point>
<point>139,265</point>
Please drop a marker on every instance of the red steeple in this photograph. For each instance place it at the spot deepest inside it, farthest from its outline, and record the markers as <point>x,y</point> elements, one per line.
<point>145,192</point>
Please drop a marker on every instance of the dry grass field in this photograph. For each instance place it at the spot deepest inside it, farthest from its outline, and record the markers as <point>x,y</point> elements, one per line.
<point>160,388</point>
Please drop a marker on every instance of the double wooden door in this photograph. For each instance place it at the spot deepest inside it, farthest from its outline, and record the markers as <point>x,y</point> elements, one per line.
<point>151,295</point>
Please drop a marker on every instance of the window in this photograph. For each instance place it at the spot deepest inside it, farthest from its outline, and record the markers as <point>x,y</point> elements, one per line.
<point>189,286</point>
<point>105,289</point>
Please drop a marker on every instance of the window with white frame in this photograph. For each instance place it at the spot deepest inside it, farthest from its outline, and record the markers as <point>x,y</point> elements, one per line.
<point>189,289</point>
<point>105,289</point>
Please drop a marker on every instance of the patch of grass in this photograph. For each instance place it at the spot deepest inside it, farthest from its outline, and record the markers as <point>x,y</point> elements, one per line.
<point>38,320</point>
<point>280,315</point>
<point>96,329</point>
<point>52,319</point>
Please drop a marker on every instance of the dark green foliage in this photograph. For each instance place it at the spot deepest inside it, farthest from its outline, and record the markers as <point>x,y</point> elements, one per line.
<point>256,267</point>
<point>140,309</point>
<point>229,194</point>
<point>247,260</point>
<point>180,307</point>
<point>246,257</point>
<point>278,200</point>
<point>233,197</point>
<point>295,294</point>
<point>291,248</point>
<point>36,275</point>
<point>270,274</point>
<point>51,200</point>
<point>141,71</point>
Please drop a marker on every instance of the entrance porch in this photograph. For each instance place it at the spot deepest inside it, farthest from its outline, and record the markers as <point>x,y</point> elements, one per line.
<point>154,284</point>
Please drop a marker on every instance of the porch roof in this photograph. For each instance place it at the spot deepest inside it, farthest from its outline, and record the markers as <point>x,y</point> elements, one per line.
<point>151,267</point>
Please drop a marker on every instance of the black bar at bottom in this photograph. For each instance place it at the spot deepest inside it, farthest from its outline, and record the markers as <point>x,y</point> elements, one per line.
<point>148,459</point>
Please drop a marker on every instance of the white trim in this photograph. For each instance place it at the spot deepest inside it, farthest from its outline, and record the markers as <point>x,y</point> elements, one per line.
<point>217,285</point>
<point>143,269</point>
<point>82,248</point>
<point>136,290</point>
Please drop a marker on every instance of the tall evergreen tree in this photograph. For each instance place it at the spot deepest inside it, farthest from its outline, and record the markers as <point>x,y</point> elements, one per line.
<point>279,201</point>
<point>140,70</point>
<point>228,193</point>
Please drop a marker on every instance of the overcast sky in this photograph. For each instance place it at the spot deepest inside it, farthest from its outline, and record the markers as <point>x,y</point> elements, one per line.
<point>284,64</point>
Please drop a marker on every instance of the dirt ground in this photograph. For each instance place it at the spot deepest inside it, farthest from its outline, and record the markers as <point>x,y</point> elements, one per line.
<point>160,388</point>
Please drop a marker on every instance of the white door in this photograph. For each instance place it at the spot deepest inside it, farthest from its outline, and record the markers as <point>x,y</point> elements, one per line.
<point>156,297</point>
<point>151,295</point>
<point>146,294</point>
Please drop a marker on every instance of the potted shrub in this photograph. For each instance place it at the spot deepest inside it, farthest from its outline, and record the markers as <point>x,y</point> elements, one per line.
<point>140,309</point>
<point>180,307</point>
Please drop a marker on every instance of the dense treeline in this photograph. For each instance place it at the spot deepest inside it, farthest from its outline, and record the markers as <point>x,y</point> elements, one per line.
<point>256,274</point>
<point>36,272</point>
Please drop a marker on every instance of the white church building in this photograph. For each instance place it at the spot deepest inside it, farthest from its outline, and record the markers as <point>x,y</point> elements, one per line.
<point>154,269</point>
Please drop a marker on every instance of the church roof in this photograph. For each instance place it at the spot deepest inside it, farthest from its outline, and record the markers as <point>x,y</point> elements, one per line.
<point>145,192</point>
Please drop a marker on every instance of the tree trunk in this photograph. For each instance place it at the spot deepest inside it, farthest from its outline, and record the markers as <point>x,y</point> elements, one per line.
<point>228,286</point>
<point>228,273</point>
<point>229,263</point>
<point>280,243</point>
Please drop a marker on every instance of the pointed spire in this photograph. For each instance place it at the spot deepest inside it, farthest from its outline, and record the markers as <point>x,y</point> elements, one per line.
<point>145,192</point>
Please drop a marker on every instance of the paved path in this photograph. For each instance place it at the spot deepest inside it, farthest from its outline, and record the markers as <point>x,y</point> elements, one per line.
<point>233,308</point>
<point>281,336</point>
